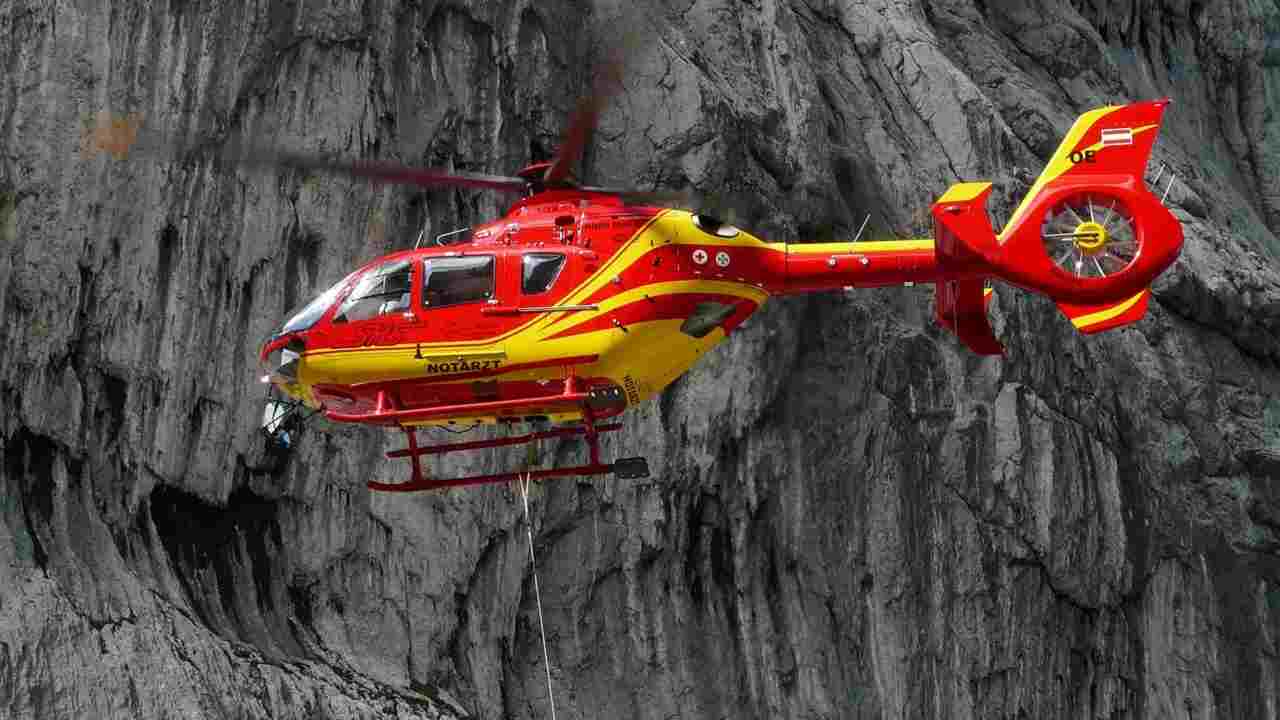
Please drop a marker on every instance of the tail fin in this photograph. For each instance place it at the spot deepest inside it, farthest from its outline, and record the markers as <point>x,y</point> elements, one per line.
<point>1090,319</point>
<point>1114,140</point>
<point>1089,234</point>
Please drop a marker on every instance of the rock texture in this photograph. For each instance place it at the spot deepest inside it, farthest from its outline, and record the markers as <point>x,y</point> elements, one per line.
<point>850,516</point>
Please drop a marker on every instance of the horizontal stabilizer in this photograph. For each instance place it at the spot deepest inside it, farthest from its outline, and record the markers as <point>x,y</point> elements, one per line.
<point>1091,319</point>
<point>962,309</point>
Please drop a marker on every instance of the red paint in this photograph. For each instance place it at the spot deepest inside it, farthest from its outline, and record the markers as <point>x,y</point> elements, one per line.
<point>662,307</point>
<point>590,229</point>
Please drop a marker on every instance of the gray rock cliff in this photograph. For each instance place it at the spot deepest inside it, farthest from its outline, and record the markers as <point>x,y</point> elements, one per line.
<point>851,516</point>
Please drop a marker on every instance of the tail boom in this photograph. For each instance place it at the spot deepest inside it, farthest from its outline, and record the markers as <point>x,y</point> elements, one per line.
<point>1103,157</point>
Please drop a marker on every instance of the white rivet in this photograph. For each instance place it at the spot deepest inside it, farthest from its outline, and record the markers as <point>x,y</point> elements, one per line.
<point>722,259</point>
<point>700,256</point>
<point>831,261</point>
<point>866,261</point>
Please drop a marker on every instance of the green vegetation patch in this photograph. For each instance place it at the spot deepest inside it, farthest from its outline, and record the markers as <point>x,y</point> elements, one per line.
<point>8,211</point>
<point>1271,40</point>
<point>11,511</point>
<point>1240,488</point>
<point>1255,535</point>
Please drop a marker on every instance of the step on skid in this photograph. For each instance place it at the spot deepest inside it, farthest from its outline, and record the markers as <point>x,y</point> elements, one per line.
<point>589,403</point>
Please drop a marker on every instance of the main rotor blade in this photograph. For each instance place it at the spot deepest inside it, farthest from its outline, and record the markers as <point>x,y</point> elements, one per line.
<point>657,198</point>
<point>637,33</point>
<point>383,171</point>
<point>583,122</point>
<point>258,156</point>
<point>726,206</point>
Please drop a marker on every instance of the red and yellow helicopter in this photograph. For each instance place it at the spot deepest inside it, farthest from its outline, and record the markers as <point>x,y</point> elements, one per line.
<point>582,302</point>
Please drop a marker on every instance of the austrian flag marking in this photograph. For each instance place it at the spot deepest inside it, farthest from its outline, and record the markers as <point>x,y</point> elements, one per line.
<point>1117,136</point>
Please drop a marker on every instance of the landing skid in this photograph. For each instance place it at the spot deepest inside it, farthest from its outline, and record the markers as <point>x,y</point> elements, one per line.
<point>623,468</point>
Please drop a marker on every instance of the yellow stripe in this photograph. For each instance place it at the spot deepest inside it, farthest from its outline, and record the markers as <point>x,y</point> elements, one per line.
<point>626,254</point>
<point>1061,161</point>
<point>655,290</point>
<point>866,248</point>
<point>963,192</point>
<point>630,252</point>
<point>358,365</point>
<point>1104,315</point>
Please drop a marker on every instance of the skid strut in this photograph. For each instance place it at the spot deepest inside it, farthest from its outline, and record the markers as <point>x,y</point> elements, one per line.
<point>623,468</point>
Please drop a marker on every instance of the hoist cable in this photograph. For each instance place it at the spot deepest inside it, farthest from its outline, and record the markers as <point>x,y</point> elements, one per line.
<point>537,593</point>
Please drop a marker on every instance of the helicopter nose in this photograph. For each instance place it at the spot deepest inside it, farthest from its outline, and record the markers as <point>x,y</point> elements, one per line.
<point>281,356</point>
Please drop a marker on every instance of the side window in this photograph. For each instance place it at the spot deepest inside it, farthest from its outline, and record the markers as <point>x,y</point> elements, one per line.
<point>540,272</point>
<point>454,280</point>
<point>383,290</point>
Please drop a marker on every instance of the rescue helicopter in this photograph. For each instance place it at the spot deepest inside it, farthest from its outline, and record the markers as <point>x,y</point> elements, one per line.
<point>581,302</point>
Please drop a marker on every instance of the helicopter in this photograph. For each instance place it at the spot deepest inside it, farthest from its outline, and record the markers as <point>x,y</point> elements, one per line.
<point>582,302</point>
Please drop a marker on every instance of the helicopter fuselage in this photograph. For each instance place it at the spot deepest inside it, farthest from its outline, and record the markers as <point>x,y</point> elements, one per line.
<point>624,299</point>
<point>575,305</point>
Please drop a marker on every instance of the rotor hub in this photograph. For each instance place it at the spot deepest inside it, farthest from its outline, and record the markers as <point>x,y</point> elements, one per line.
<point>1091,237</point>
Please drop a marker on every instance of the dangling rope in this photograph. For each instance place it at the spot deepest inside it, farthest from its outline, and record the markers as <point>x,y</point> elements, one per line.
<point>537,594</point>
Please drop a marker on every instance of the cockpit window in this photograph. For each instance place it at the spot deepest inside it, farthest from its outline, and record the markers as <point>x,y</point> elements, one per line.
<point>384,289</point>
<point>454,280</point>
<point>540,272</point>
<point>314,310</point>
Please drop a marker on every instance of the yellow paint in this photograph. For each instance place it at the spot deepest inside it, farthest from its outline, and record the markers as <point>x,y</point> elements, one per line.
<point>534,344</point>
<point>468,355</point>
<point>1059,163</point>
<point>1099,235</point>
<point>847,248</point>
<point>652,354</point>
<point>964,192</point>
<point>1109,313</point>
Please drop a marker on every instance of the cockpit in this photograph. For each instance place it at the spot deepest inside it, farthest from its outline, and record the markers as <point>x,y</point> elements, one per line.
<point>387,288</point>
<point>392,287</point>
<point>310,314</point>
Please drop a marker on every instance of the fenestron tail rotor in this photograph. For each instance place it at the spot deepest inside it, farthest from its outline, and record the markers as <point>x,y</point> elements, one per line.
<point>1090,235</point>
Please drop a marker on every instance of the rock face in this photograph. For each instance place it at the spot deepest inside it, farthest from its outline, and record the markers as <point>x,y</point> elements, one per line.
<point>850,516</point>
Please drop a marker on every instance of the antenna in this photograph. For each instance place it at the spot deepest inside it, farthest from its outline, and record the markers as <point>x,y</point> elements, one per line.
<point>1156,179</point>
<point>422,234</point>
<point>1172,177</point>
<point>864,227</point>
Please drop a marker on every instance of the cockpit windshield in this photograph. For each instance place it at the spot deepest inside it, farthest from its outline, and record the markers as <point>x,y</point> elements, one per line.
<point>315,309</point>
